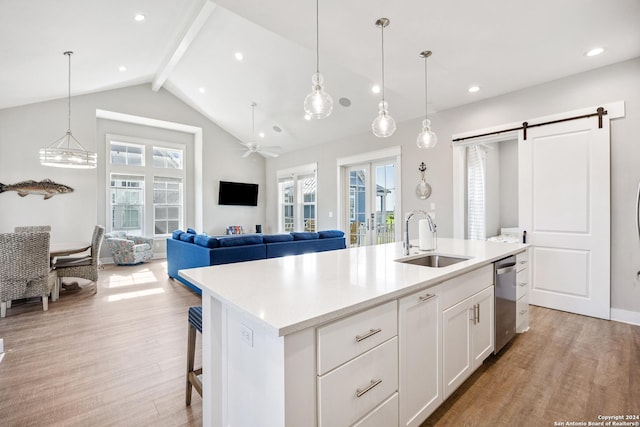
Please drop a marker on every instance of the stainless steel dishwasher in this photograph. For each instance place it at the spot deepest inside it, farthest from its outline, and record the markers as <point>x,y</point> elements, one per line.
<point>505,301</point>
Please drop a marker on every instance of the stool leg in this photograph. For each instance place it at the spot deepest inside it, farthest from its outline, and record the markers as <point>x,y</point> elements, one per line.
<point>191,354</point>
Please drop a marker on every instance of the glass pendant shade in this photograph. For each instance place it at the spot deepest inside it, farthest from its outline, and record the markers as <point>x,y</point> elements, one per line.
<point>383,125</point>
<point>427,138</point>
<point>60,154</point>
<point>318,104</point>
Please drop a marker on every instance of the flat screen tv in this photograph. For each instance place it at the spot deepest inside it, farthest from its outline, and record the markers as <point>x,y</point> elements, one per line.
<point>238,194</point>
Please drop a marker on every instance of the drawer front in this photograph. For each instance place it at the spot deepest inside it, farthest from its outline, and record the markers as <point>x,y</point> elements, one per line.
<point>522,283</point>
<point>522,314</point>
<point>384,415</point>
<point>462,287</point>
<point>522,261</point>
<point>341,341</point>
<point>348,393</point>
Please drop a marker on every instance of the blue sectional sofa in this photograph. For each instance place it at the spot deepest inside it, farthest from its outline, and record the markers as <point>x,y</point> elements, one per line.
<point>190,250</point>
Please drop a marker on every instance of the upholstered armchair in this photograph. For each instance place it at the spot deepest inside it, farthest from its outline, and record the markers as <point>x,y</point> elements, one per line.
<point>129,250</point>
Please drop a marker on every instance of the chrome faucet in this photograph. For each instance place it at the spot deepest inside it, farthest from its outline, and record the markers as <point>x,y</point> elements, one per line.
<point>406,243</point>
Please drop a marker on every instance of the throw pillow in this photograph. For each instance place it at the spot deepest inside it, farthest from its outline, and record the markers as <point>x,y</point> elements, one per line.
<point>304,235</point>
<point>327,234</point>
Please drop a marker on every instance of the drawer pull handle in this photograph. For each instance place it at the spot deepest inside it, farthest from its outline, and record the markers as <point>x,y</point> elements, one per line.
<point>523,311</point>
<point>523,261</point>
<point>371,385</point>
<point>523,284</point>
<point>426,297</point>
<point>368,334</point>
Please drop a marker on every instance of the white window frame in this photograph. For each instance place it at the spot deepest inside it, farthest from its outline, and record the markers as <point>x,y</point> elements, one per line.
<point>297,174</point>
<point>148,171</point>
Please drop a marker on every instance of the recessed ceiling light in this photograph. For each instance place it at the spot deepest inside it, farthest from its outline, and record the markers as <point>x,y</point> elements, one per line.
<point>375,89</point>
<point>307,116</point>
<point>261,134</point>
<point>345,102</point>
<point>277,128</point>
<point>139,17</point>
<point>122,68</point>
<point>202,90</point>
<point>595,51</point>
<point>239,56</point>
<point>473,89</point>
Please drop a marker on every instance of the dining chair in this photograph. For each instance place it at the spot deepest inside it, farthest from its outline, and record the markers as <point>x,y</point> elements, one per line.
<point>24,268</point>
<point>82,267</point>
<point>32,228</point>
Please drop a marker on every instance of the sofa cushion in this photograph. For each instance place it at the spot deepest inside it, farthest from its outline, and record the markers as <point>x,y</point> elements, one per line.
<point>274,238</point>
<point>206,241</point>
<point>191,231</point>
<point>176,234</point>
<point>304,235</point>
<point>250,239</point>
<point>327,234</point>
<point>187,237</point>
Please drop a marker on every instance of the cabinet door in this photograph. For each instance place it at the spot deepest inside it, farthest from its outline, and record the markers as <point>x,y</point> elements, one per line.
<point>456,345</point>
<point>419,343</point>
<point>483,326</point>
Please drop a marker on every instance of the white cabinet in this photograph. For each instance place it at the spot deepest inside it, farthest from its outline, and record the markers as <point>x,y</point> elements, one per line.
<point>523,278</point>
<point>420,355</point>
<point>467,337</point>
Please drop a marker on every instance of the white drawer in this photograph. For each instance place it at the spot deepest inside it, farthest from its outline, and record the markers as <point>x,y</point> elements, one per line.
<point>522,283</point>
<point>522,314</point>
<point>341,341</point>
<point>384,415</point>
<point>522,261</point>
<point>373,375</point>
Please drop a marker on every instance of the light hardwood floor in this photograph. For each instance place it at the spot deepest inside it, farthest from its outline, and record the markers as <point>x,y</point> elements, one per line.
<point>115,358</point>
<point>118,358</point>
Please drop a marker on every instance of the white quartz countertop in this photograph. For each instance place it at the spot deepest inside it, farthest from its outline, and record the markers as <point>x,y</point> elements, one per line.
<point>292,293</point>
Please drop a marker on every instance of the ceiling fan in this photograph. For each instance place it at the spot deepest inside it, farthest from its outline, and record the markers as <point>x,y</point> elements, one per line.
<point>253,147</point>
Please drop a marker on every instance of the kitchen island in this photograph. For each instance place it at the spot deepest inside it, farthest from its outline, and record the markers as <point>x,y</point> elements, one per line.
<point>278,341</point>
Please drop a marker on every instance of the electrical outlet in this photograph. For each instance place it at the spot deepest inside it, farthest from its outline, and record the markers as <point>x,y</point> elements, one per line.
<point>247,335</point>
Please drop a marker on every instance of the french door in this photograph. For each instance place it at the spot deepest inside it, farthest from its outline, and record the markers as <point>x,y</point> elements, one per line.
<point>371,193</point>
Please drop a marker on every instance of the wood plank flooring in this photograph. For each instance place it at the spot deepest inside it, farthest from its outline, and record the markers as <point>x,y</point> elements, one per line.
<point>118,358</point>
<point>567,367</point>
<point>115,358</point>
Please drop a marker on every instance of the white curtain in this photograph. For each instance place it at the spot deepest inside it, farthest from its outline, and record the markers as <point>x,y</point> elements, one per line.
<point>476,165</point>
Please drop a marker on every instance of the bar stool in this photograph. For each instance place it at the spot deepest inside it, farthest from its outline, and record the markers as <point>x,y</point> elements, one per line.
<point>195,324</point>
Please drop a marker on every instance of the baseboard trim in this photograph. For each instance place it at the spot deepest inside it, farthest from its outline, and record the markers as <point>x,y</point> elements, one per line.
<point>625,316</point>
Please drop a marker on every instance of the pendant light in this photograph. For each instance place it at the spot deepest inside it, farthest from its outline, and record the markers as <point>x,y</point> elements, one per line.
<point>427,138</point>
<point>318,104</point>
<point>383,125</point>
<point>59,153</point>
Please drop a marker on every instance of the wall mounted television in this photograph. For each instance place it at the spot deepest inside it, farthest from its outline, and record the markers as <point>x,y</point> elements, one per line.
<point>238,194</point>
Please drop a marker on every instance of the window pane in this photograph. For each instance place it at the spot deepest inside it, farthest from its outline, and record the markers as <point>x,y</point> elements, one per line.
<point>167,202</point>
<point>127,202</point>
<point>167,158</point>
<point>127,154</point>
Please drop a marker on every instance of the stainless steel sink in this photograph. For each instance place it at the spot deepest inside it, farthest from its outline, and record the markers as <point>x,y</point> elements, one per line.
<point>433,260</point>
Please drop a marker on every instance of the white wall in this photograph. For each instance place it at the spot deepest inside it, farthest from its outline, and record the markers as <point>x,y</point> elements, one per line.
<point>26,129</point>
<point>613,83</point>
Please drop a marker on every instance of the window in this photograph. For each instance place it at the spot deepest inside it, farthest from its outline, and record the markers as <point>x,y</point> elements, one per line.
<point>476,157</point>
<point>146,186</point>
<point>297,195</point>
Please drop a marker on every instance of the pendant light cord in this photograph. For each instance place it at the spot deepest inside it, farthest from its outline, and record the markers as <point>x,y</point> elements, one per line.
<point>69,94</point>
<point>317,38</point>
<point>382,29</point>
<point>425,88</point>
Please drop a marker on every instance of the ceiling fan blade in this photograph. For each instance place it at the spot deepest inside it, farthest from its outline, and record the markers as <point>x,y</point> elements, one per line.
<point>246,154</point>
<point>268,153</point>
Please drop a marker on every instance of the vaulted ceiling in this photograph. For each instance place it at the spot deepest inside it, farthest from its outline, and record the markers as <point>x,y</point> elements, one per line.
<point>188,47</point>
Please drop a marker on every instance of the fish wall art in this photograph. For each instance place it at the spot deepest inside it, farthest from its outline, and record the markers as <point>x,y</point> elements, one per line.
<point>46,187</point>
